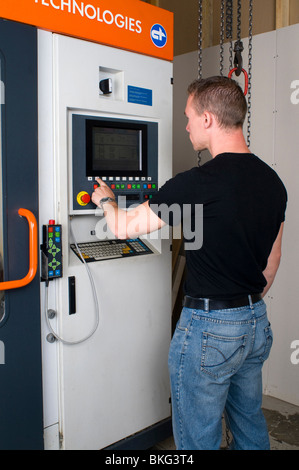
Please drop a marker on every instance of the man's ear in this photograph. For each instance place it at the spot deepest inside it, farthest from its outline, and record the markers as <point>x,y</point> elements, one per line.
<point>208,119</point>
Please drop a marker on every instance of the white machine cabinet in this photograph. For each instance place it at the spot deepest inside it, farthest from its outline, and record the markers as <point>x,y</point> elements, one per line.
<point>114,384</point>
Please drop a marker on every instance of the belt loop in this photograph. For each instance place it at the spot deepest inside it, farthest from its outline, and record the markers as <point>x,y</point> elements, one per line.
<point>250,301</point>
<point>207,305</point>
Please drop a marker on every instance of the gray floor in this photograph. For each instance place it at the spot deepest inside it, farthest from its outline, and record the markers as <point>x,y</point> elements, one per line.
<point>283,424</point>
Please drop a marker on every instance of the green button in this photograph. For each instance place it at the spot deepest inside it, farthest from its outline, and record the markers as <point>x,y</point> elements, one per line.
<point>133,186</point>
<point>50,235</point>
<point>138,186</point>
<point>117,186</point>
<point>153,186</point>
<point>122,186</point>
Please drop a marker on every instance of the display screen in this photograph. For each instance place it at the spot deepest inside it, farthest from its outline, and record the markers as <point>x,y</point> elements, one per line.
<point>115,148</point>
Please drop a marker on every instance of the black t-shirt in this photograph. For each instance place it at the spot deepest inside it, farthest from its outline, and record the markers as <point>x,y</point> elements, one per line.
<point>243,204</point>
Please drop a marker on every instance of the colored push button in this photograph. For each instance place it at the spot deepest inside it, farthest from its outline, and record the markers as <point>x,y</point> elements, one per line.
<point>149,186</point>
<point>83,198</point>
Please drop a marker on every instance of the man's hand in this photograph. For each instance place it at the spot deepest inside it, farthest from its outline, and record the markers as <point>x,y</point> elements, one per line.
<point>101,191</point>
<point>126,223</point>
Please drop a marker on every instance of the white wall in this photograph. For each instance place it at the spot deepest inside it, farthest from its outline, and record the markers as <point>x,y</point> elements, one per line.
<point>275,139</point>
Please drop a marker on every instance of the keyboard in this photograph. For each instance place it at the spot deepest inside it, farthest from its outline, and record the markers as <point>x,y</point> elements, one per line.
<point>111,249</point>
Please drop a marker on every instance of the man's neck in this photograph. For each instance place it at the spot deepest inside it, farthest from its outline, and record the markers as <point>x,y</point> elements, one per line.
<point>228,142</point>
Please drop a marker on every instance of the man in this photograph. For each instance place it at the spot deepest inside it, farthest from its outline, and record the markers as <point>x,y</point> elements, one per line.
<point>223,336</point>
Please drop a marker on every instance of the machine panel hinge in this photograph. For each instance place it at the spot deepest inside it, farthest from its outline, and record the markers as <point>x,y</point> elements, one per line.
<point>61,440</point>
<point>2,92</point>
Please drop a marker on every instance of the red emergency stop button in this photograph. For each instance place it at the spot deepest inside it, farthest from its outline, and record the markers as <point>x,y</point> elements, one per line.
<point>83,198</point>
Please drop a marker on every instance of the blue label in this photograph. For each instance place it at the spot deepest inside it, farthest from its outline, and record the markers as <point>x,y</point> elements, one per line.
<point>158,35</point>
<point>140,96</point>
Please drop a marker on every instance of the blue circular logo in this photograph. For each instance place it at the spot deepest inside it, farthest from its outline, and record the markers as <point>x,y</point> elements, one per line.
<point>158,35</point>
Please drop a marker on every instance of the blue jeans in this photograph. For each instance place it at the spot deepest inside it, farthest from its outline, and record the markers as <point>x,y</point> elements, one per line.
<point>215,364</point>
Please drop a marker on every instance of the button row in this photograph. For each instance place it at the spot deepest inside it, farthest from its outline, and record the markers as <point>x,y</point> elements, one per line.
<point>56,273</point>
<point>133,186</point>
<point>54,232</point>
<point>123,178</point>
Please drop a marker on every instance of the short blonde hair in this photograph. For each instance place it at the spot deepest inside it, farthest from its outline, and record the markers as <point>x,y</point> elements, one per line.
<point>221,96</point>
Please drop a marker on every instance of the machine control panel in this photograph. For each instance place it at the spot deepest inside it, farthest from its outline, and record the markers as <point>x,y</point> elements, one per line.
<point>122,152</point>
<point>51,248</point>
<point>134,190</point>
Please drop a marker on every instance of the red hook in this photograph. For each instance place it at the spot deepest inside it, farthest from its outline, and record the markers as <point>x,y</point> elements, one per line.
<point>245,76</point>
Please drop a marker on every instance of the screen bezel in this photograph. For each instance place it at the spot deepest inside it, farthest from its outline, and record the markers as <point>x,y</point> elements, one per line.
<point>119,124</point>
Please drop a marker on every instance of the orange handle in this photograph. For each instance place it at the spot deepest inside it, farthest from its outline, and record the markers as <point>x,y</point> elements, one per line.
<point>33,253</point>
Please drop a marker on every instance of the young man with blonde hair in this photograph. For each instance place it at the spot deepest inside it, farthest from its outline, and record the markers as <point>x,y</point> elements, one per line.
<point>223,336</point>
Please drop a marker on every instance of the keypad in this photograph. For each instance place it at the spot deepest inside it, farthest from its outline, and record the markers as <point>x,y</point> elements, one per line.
<point>109,249</point>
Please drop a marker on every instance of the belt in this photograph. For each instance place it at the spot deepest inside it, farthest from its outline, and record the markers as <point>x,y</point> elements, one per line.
<point>210,304</point>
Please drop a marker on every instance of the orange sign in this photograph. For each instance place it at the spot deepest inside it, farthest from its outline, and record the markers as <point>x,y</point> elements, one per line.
<point>131,24</point>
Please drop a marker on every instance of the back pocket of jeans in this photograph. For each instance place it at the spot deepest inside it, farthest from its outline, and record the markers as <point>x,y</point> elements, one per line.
<point>222,355</point>
<point>268,343</point>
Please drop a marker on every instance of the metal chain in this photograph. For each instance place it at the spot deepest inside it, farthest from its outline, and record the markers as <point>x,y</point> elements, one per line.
<point>200,39</point>
<point>222,37</point>
<point>238,48</point>
<point>229,29</point>
<point>249,72</point>
<point>239,21</point>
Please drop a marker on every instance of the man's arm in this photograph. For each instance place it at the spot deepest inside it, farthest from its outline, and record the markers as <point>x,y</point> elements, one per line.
<point>126,224</point>
<point>273,261</point>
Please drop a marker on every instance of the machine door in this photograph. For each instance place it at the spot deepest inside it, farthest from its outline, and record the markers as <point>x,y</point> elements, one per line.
<point>21,423</point>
